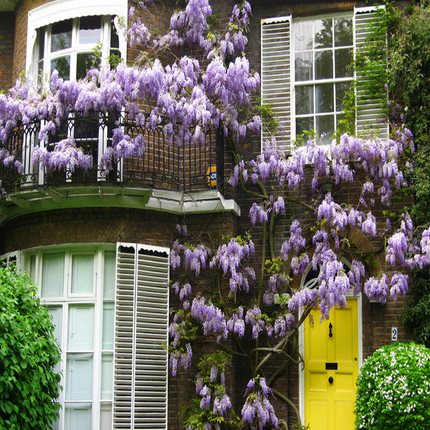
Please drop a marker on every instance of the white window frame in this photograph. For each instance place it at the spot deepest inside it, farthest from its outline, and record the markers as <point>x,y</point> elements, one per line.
<point>148,279</point>
<point>278,76</point>
<point>57,11</point>
<point>76,47</point>
<point>65,301</point>
<point>60,10</point>
<point>314,82</point>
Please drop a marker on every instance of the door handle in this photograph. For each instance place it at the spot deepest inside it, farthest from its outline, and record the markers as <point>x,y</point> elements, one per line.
<point>330,380</point>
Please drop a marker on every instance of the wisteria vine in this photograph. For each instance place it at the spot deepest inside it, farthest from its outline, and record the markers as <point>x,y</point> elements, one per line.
<point>270,305</point>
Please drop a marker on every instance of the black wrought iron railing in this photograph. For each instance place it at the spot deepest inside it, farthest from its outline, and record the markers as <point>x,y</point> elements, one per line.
<point>179,166</point>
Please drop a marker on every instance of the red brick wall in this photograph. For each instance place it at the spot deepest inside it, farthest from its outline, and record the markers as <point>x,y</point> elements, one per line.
<point>7,33</point>
<point>106,225</point>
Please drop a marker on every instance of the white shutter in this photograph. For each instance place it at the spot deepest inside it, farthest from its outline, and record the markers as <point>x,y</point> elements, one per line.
<point>276,77</point>
<point>141,337</point>
<point>370,116</point>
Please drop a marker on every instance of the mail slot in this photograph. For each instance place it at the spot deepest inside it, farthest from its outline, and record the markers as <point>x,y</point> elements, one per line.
<point>331,366</point>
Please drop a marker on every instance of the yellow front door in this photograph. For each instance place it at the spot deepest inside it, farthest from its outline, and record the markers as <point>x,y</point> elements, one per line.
<point>331,369</point>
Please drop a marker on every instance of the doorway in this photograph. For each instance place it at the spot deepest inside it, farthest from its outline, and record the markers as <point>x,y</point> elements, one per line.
<point>331,363</point>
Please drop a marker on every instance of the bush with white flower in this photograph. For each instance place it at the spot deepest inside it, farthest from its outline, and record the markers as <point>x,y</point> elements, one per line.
<point>393,389</point>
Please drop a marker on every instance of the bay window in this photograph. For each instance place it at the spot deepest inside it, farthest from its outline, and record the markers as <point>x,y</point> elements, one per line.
<point>72,37</point>
<point>110,311</point>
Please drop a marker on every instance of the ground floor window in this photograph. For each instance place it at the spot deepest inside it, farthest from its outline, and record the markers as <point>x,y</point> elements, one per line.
<point>110,308</point>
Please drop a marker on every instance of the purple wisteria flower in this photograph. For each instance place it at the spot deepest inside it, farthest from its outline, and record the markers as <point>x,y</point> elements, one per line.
<point>295,242</point>
<point>66,155</point>
<point>377,289</point>
<point>229,258</point>
<point>211,317</point>
<point>397,249</point>
<point>257,410</point>
<point>179,360</point>
<point>255,319</point>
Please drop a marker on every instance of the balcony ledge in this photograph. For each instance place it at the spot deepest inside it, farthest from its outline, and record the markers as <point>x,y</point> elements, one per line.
<point>174,202</point>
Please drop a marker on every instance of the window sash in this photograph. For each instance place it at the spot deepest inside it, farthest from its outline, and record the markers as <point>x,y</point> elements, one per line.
<point>278,85</point>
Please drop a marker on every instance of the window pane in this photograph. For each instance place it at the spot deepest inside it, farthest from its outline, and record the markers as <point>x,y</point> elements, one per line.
<point>325,128</point>
<point>40,40</point>
<point>341,89</point>
<point>82,273</point>
<point>340,127</point>
<point>90,29</point>
<point>56,313</point>
<point>32,269</point>
<point>79,377</point>
<point>61,36</point>
<point>77,416</point>
<point>61,64</point>
<point>323,64</point>
<point>108,325</point>
<point>304,100</point>
<point>304,124</point>
<point>107,377</point>
<point>109,275</point>
<point>85,62</point>
<point>81,328</point>
<point>303,35</point>
<point>324,98</point>
<point>56,425</point>
<point>324,33</point>
<point>114,39</point>
<point>304,69</point>
<point>343,32</point>
<point>53,275</point>
<point>106,417</point>
<point>343,59</point>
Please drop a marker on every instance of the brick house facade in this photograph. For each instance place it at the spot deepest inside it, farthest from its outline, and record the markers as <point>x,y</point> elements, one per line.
<point>51,226</point>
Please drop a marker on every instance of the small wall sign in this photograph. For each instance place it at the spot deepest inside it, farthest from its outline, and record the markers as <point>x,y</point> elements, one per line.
<point>394,334</point>
<point>211,175</point>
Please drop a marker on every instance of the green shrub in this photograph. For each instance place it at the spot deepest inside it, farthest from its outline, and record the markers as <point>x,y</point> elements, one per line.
<point>393,389</point>
<point>28,355</point>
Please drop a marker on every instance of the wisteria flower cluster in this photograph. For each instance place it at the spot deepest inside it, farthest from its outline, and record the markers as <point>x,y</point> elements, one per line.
<point>215,403</point>
<point>193,257</point>
<point>230,257</point>
<point>257,410</point>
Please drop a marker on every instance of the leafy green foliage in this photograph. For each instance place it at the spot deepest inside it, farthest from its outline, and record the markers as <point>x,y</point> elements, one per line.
<point>196,415</point>
<point>417,313</point>
<point>394,389</point>
<point>408,77</point>
<point>28,355</point>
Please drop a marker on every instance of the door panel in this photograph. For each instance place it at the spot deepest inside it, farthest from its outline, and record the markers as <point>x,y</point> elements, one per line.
<point>331,369</point>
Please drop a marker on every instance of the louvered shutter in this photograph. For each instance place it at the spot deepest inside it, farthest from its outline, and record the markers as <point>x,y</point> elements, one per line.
<point>370,106</point>
<point>276,77</point>
<point>141,337</point>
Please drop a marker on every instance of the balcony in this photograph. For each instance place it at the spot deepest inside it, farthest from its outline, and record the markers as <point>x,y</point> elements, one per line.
<point>170,176</point>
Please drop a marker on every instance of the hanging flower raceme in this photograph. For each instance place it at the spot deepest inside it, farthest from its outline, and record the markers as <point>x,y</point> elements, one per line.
<point>194,258</point>
<point>65,155</point>
<point>295,242</point>
<point>180,360</point>
<point>211,318</point>
<point>229,258</point>
<point>257,410</point>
